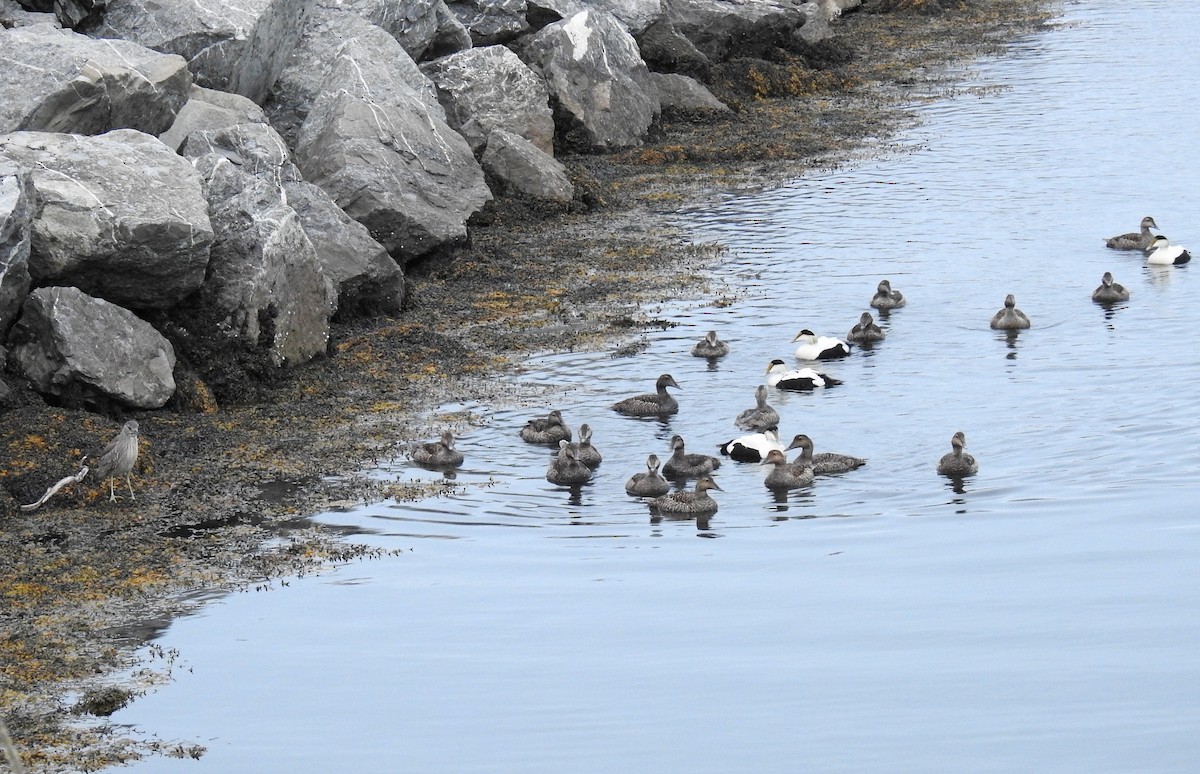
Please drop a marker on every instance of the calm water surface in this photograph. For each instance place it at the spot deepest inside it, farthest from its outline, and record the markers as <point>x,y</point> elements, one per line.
<point>1045,616</point>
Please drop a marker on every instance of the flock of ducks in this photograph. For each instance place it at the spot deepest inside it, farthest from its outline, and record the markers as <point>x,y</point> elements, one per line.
<point>576,459</point>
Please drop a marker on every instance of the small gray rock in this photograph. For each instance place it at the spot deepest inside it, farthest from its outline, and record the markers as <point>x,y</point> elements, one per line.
<point>523,167</point>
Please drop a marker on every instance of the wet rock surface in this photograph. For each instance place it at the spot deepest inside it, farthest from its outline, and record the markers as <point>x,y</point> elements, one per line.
<point>251,448</point>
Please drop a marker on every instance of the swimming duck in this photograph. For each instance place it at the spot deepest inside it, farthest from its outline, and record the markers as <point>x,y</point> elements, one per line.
<point>565,467</point>
<point>650,483</point>
<point>1109,291</point>
<point>546,430</point>
<point>785,475</point>
<point>589,455</point>
<point>824,463</point>
<point>779,375</point>
<point>814,347</point>
<point>957,462</point>
<point>761,417</point>
<point>683,464</point>
<point>1010,318</point>
<point>1138,240</point>
<point>438,454</point>
<point>710,346</point>
<point>696,501</point>
<point>753,447</point>
<point>886,299</point>
<point>1162,253</point>
<point>865,330</point>
<point>653,404</point>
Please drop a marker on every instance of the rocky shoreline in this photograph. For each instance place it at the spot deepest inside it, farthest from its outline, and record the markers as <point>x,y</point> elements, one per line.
<point>290,323</point>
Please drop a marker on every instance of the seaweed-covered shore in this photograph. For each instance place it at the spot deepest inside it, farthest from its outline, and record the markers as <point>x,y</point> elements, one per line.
<point>224,488</point>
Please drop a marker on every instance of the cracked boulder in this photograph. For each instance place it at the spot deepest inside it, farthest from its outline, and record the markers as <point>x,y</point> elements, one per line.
<point>55,80</point>
<point>265,280</point>
<point>118,215</point>
<point>207,110</point>
<point>418,25</point>
<point>239,47</point>
<point>366,277</point>
<point>602,93</point>
<point>523,168</point>
<point>386,156</point>
<point>78,347</point>
<point>489,88</point>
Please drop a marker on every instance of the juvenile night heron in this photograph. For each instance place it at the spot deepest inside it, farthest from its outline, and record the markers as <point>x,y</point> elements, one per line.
<point>118,459</point>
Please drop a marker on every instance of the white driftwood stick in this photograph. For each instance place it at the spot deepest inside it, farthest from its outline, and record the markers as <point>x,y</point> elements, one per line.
<point>75,479</point>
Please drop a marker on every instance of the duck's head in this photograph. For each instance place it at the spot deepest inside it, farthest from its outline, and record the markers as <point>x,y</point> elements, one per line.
<point>554,417</point>
<point>800,441</point>
<point>711,337</point>
<point>774,457</point>
<point>677,442</point>
<point>760,392</point>
<point>774,364</point>
<point>1010,301</point>
<point>958,440</point>
<point>885,286</point>
<point>448,439</point>
<point>1157,242</point>
<point>1107,279</point>
<point>1148,222</point>
<point>666,380</point>
<point>652,462</point>
<point>706,483</point>
<point>807,336</point>
<point>866,320</point>
<point>585,433</point>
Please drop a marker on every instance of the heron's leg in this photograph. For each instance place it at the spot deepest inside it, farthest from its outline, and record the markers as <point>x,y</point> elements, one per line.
<point>129,483</point>
<point>112,492</point>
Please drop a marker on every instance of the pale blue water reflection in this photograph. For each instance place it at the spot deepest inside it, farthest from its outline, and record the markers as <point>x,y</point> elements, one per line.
<point>1046,616</point>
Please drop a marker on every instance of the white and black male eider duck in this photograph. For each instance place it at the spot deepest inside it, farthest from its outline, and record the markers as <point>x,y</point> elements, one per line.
<point>438,454</point>
<point>786,475</point>
<point>1109,291</point>
<point>655,404</point>
<point>1136,240</point>
<point>886,299</point>
<point>825,463</point>
<point>683,464</point>
<point>650,483</point>
<point>784,378</point>
<point>753,447</point>
<point>549,429</point>
<point>1162,253</point>
<point>565,467</point>
<point>710,346</point>
<point>761,417</point>
<point>589,455</point>
<point>696,501</point>
<point>957,462</point>
<point>865,331</point>
<point>814,347</point>
<point>1010,318</point>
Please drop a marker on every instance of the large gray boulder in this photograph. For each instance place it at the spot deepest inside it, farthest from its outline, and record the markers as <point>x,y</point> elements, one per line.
<point>327,31</point>
<point>523,168</point>
<point>230,46</point>
<point>604,98</point>
<point>68,343</point>
<point>491,21</point>
<point>16,227</point>
<point>79,13</point>
<point>119,215</point>
<point>366,277</point>
<point>667,50</point>
<point>207,110</point>
<point>265,280</point>
<point>387,157</point>
<point>491,88</point>
<point>55,80</point>
<point>417,25</point>
<point>722,29</point>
